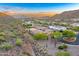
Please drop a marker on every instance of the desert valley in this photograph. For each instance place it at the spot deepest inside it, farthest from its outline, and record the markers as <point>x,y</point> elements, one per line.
<point>39,33</point>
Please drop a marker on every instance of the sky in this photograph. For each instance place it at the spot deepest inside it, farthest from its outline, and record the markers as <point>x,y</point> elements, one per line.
<point>38,7</point>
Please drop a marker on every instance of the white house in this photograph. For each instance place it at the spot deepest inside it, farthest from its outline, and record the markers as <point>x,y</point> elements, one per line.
<point>57,27</point>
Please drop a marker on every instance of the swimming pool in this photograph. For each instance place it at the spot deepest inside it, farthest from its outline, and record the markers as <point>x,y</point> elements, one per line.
<point>73,43</point>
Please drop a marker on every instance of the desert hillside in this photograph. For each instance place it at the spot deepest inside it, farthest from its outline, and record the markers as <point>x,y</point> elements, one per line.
<point>72,15</point>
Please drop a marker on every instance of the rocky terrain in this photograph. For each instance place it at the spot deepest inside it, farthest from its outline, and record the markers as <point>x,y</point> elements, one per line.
<point>72,15</point>
<point>15,40</point>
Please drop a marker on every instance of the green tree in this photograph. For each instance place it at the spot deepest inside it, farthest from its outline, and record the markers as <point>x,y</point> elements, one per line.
<point>40,36</point>
<point>56,36</point>
<point>69,33</point>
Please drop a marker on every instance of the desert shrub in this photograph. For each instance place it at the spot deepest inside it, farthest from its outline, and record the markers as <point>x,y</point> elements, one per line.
<point>6,46</point>
<point>60,47</point>
<point>13,35</point>
<point>10,34</point>
<point>18,42</point>
<point>40,36</point>
<point>75,28</point>
<point>63,46</point>
<point>62,53</point>
<point>2,34</point>
<point>2,38</point>
<point>64,24</point>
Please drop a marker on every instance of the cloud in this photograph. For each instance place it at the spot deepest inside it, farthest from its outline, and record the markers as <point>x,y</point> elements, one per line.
<point>11,8</point>
<point>50,9</point>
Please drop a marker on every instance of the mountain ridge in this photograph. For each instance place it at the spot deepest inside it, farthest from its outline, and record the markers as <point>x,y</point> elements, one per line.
<point>66,15</point>
<point>39,14</point>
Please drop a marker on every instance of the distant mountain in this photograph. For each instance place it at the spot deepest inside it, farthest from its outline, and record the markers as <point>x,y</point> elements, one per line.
<point>6,19</point>
<point>30,16</point>
<point>72,15</point>
<point>9,12</point>
<point>39,14</point>
<point>2,14</point>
